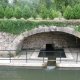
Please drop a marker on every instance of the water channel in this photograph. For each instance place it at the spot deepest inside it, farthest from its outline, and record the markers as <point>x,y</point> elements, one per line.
<point>24,73</point>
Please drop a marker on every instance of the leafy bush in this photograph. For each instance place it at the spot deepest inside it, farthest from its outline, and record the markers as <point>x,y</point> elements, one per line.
<point>76,12</point>
<point>17,13</point>
<point>19,26</point>
<point>8,12</point>
<point>34,14</point>
<point>26,12</point>
<point>53,14</point>
<point>68,13</point>
<point>1,12</point>
<point>44,12</point>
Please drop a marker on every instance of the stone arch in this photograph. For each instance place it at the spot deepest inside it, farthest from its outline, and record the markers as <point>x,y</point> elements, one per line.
<point>19,39</point>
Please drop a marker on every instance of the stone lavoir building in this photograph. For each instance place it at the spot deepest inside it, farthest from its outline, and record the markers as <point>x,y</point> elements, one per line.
<point>38,38</point>
<point>56,38</point>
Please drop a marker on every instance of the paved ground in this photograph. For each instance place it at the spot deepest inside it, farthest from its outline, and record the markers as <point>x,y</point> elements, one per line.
<point>71,60</point>
<point>33,60</point>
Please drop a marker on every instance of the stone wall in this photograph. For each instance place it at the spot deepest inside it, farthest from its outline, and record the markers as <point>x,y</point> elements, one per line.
<point>38,38</point>
<point>5,43</point>
<point>59,39</point>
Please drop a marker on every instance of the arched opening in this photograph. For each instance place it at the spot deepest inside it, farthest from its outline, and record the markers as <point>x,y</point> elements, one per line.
<point>59,39</point>
<point>51,41</point>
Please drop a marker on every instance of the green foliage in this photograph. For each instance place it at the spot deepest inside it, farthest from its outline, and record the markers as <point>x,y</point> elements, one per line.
<point>68,13</point>
<point>26,13</point>
<point>19,26</point>
<point>77,28</point>
<point>76,12</point>
<point>1,12</point>
<point>6,1</point>
<point>14,1</point>
<point>60,3</point>
<point>53,14</point>
<point>17,13</point>
<point>44,12</point>
<point>8,12</point>
<point>72,13</point>
<point>34,14</point>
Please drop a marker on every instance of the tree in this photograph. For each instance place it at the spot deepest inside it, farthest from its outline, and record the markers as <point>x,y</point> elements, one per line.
<point>53,14</point>
<point>17,13</point>
<point>62,4</point>
<point>48,3</point>
<point>8,12</point>
<point>1,12</point>
<point>3,4</point>
<point>68,13</point>
<point>34,14</point>
<point>6,1</point>
<point>26,12</point>
<point>44,13</point>
<point>14,1</point>
<point>76,11</point>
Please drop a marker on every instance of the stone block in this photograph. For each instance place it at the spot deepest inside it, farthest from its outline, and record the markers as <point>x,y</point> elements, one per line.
<point>35,30</point>
<point>40,30</point>
<point>30,32</point>
<point>20,37</point>
<point>25,34</point>
<point>16,41</point>
<point>68,30</point>
<point>46,29</point>
<point>59,29</point>
<point>52,28</point>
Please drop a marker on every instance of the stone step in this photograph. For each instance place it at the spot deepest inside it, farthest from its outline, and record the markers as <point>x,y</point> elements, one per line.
<point>35,53</point>
<point>23,55</point>
<point>25,64</point>
<point>68,65</point>
<point>68,53</point>
<point>38,59</point>
<point>74,53</point>
<point>58,60</point>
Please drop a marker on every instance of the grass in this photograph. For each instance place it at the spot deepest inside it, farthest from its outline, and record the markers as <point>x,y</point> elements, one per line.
<point>77,28</point>
<point>17,26</point>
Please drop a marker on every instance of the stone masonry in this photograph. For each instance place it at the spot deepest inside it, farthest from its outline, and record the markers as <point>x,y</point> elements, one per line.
<point>37,38</point>
<point>59,39</point>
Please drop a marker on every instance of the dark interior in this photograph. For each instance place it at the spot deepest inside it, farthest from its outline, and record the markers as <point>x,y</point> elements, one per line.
<point>52,53</point>
<point>49,47</point>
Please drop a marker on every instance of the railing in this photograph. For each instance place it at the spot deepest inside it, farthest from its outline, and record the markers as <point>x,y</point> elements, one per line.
<point>11,59</point>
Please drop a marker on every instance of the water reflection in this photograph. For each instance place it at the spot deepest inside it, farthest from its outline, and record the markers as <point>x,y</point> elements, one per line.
<point>23,73</point>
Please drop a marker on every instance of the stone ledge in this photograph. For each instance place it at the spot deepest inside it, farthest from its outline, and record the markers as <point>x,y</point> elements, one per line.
<point>67,65</point>
<point>25,64</point>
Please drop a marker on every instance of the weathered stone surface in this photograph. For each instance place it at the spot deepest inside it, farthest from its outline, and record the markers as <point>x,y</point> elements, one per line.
<point>38,38</point>
<point>25,34</point>
<point>59,29</point>
<point>39,41</point>
<point>46,29</point>
<point>30,32</point>
<point>68,30</point>
<point>34,31</point>
<point>40,29</point>
<point>52,28</point>
<point>20,37</point>
<point>77,34</point>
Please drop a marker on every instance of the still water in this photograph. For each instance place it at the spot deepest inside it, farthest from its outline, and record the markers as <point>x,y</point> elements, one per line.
<point>23,73</point>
